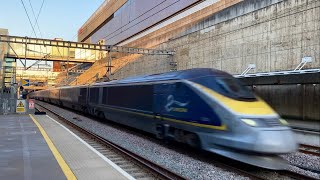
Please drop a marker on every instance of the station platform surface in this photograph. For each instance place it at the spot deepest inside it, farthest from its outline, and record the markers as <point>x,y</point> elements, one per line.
<point>24,153</point>
<point>38,147</point>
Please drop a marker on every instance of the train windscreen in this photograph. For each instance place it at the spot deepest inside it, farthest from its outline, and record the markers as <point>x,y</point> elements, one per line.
<point>227,86</point>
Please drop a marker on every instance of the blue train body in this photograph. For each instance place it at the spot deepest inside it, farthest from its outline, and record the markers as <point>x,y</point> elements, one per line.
<point>202,107</point>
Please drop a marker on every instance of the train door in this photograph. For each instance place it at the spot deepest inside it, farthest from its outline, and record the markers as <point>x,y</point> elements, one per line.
<point>178,103</point>
<point>82,99</point>
<point>161,92</point>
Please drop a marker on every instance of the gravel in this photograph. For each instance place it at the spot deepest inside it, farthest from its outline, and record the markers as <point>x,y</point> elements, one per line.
<point>303,160</point>
<point>187,166</point>
<point>302,171</point>
<point>307,161</point>
<point>180,162</point>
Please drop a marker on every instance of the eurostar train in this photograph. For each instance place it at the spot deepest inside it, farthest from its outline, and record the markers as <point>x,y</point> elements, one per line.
<point>202,107</point>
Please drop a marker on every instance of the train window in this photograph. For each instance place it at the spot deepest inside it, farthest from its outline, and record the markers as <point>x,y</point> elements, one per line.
<point>94,95</point>
<point>104,95</point>
<point>229,85</point>
<point>83,92</point>
<point>63,92</point>
<point>226,86</point>
<point>83,95</point>
<point>234,87</point>
<point>135,97</point>
<point>181,89</point>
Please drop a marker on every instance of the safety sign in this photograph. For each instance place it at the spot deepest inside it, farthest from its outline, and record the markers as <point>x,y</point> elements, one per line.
<point>20,108</point>
<point>31,103</point>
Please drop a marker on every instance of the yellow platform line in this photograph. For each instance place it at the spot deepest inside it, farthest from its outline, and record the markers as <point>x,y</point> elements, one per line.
<point>62,163</point>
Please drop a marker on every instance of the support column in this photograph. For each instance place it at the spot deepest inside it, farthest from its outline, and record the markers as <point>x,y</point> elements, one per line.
<point>68,57</point>
<point>25,53</point>
<point>109,64</point>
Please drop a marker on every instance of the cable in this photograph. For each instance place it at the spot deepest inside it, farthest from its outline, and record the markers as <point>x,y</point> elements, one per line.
<point>36,21</point>
<point>28,18</point>
<point>30,24</point>
<point>39,11</point>
<point>72,39</point>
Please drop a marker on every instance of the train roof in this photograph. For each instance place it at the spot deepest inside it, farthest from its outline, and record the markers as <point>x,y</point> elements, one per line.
<point>175,75</point>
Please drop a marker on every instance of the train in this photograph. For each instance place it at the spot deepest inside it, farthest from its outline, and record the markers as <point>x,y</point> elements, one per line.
<point>202,107</point>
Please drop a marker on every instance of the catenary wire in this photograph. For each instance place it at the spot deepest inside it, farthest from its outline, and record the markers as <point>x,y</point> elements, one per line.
<point>28,18</point>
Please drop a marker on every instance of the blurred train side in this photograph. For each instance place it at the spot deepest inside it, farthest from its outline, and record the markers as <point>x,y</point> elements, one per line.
<point>93,100</point>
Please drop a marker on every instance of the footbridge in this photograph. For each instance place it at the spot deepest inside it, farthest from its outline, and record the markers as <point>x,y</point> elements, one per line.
<point>27,48</point>
<point>59,50</point>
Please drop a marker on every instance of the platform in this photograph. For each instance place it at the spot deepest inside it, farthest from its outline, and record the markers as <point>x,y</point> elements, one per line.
<point>38,147</point>
<point>24,154</point>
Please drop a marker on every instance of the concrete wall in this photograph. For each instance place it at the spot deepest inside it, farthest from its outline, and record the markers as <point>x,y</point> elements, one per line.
<point>272,34</point>
<point>151,38</point>
<point>293,101</point>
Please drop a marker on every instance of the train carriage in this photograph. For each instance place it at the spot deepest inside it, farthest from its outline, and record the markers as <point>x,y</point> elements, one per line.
<point>54,95</point>
<point>69,97</point>
<point>202,107</point>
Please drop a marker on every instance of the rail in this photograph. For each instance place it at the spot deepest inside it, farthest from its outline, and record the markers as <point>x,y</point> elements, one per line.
<point>305,130</point>
<point>162,172</point>
<point>310,149</point>
<point>167,174</point>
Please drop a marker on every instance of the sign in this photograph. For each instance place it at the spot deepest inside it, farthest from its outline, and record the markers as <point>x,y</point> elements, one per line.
<point>25,82</point>
<point>20,108</point>
<point>31,103</point>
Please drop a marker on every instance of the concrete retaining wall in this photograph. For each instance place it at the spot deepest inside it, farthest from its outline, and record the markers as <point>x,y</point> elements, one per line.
<point>272,34</point>
<point>293,101</point>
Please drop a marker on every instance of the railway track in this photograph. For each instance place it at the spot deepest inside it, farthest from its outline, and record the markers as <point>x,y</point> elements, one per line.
<point>305,148</point>
<point>141,168</point>
<point>135,165</point>
<point>305,130</point>
<point>309,149</point>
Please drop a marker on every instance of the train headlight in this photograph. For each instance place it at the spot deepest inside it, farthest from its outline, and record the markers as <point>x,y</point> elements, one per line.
<point>283,122</point>
<point>254,122</point>
<point>249,122</point>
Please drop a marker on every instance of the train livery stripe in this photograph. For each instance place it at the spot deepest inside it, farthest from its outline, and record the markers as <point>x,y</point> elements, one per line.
<point>132,112</point>
<point>241,107</point>
<point>222,127</point>
<point>62,163</point>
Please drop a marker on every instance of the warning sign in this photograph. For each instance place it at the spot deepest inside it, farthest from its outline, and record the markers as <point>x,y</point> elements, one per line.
<point>31,103</point>
<point>21,106</point>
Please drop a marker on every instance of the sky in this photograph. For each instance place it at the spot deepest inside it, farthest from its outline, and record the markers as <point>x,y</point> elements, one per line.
<point>58,18</point>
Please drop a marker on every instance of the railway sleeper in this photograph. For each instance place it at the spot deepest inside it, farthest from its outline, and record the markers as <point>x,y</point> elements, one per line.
<point>126,166</point>
<point>134,171</point>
